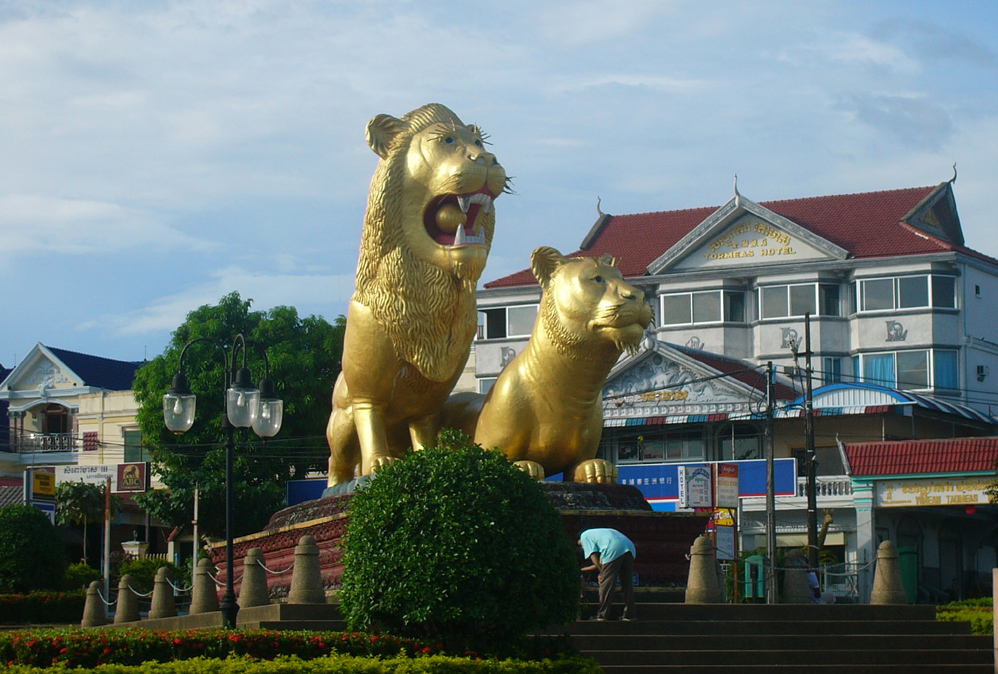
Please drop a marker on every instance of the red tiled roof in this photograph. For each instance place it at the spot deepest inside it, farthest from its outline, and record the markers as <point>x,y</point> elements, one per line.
<point>904,457</point>
<point>866,225</point>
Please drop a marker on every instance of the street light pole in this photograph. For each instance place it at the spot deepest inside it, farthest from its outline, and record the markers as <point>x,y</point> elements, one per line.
<point>244,406</point>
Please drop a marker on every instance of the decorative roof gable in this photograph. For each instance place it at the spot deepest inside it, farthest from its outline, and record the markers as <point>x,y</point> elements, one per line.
<point>665,379</point>
<point>743,231</point>
<point>46,369</point>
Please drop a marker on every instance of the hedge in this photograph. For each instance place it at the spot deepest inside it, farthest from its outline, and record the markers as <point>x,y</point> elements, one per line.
<point>134,646</point>
<point>42,608</point>
<point>977,612</point>
<point>340,664</point>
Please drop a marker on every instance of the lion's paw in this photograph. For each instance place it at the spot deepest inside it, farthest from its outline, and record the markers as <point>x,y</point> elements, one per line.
<point>596,471</point>
<point>531,468</point>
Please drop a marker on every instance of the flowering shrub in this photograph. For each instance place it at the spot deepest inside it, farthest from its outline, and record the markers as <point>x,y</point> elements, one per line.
<point>346,664</point>
<point>89,648</point>
<point>40,607</point>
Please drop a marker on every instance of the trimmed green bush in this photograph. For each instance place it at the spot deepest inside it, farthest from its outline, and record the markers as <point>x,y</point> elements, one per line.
<point>143,572</point>
<point>79,576</point>
<point>32,553</point>
<point>45,608</point>
<point>455,542</point>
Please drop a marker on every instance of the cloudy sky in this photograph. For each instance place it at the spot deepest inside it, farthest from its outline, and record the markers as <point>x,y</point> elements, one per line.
<point>155,156</point>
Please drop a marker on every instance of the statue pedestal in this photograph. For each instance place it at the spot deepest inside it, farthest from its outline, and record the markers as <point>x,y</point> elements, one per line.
<point>662,539</point>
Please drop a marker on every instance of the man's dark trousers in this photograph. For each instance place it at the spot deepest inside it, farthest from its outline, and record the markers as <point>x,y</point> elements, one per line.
<point>622,567</point>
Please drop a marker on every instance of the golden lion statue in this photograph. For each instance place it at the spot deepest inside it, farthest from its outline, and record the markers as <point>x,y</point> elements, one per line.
<point>410,323</point>
<point>545,411</point>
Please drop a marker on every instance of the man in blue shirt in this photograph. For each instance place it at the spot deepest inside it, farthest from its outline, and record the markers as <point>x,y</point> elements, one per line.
<point>613,554</point>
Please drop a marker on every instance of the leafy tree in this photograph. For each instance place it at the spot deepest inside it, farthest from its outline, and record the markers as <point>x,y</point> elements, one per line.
<point>455,542</point>
<point>304,355</point>
<point>32,554</point>
<point>82,503</point>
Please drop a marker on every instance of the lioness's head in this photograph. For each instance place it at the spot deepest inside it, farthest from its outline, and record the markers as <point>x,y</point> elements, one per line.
<point>434,188</point>
<point>587,306</point>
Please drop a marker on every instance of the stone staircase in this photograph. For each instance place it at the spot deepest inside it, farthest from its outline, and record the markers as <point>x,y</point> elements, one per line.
<point>674,637</point>
<point>669,637</point>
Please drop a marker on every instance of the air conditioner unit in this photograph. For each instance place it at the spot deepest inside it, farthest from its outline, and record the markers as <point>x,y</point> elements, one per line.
<point>791,370</point>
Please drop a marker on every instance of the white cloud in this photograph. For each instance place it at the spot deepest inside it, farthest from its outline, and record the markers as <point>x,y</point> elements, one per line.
<point>34,224</point>
<point>308,292</point>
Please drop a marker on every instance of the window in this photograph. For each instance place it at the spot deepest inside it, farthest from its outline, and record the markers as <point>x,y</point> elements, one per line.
<point>703,307</point>
<point>739,442</point>
<point>659,447</point>
<point>799,299</point>
<point>134,452</point>
<point>944,292</point>
<point>909,370</point>
<point>907,292</point>
<point>831,372</point>
<point>515,321</point>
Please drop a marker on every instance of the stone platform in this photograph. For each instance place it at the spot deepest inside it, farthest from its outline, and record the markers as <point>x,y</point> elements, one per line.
<point>662,539</point>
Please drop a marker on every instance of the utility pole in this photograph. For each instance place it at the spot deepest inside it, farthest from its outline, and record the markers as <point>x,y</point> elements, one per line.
<point>812,467</point>
<point>770,487</point>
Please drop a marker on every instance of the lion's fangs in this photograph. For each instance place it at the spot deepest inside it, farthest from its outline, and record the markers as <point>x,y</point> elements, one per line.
<point>483,200</point>
<point>461,239</point>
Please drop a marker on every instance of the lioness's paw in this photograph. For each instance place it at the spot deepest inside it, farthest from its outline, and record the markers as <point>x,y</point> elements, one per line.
<point>596,471</point>
<point>531,468</point>
<point>379,462</point>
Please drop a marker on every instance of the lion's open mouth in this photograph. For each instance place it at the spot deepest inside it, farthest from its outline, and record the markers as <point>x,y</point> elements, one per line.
<point>452,220</point>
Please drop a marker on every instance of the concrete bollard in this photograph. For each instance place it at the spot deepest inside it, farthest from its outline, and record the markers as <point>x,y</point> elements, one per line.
<point>795,589</point>
<point>204,596</point>
<point>887,586</point>
<point>253,591</point>
<point>127,609</point>
<point>94,614</point>
<point>701,587</point>
<point>306,579</point>
<point>164,604</point>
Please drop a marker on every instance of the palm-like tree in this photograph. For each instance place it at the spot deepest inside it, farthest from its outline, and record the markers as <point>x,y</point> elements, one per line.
<point>81,503</point>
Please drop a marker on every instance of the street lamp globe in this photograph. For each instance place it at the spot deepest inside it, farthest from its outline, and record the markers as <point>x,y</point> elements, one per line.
<point>268,421</point>
<point>179,404</point>
<point>242,400</point>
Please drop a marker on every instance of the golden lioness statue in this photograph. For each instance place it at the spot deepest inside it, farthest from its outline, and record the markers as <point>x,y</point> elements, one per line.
<point>427,233</point>
<point>545,411</point>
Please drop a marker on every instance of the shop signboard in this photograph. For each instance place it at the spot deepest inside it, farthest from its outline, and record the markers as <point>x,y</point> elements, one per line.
<point>959,491</point>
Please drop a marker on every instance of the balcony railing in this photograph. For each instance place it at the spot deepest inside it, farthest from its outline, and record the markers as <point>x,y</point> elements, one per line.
<point>27,443</point>
<point>826,485</point>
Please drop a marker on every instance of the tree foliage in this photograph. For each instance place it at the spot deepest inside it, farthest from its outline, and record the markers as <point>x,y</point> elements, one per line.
<point>454,541</point>
<point>304,355</point>
<point>32,554</point>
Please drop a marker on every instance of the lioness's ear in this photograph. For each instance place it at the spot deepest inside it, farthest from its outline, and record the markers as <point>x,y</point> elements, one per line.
<point>544,261</point>
<point>380,132</point>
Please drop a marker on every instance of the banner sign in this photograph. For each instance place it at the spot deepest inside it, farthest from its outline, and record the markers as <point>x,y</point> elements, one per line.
<point>727,485</point>
<point>125,477</point>
<point>725,542</point>
<point>695,487</point>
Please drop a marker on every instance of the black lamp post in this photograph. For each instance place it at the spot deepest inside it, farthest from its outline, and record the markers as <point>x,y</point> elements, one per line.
<point>245,407</point>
